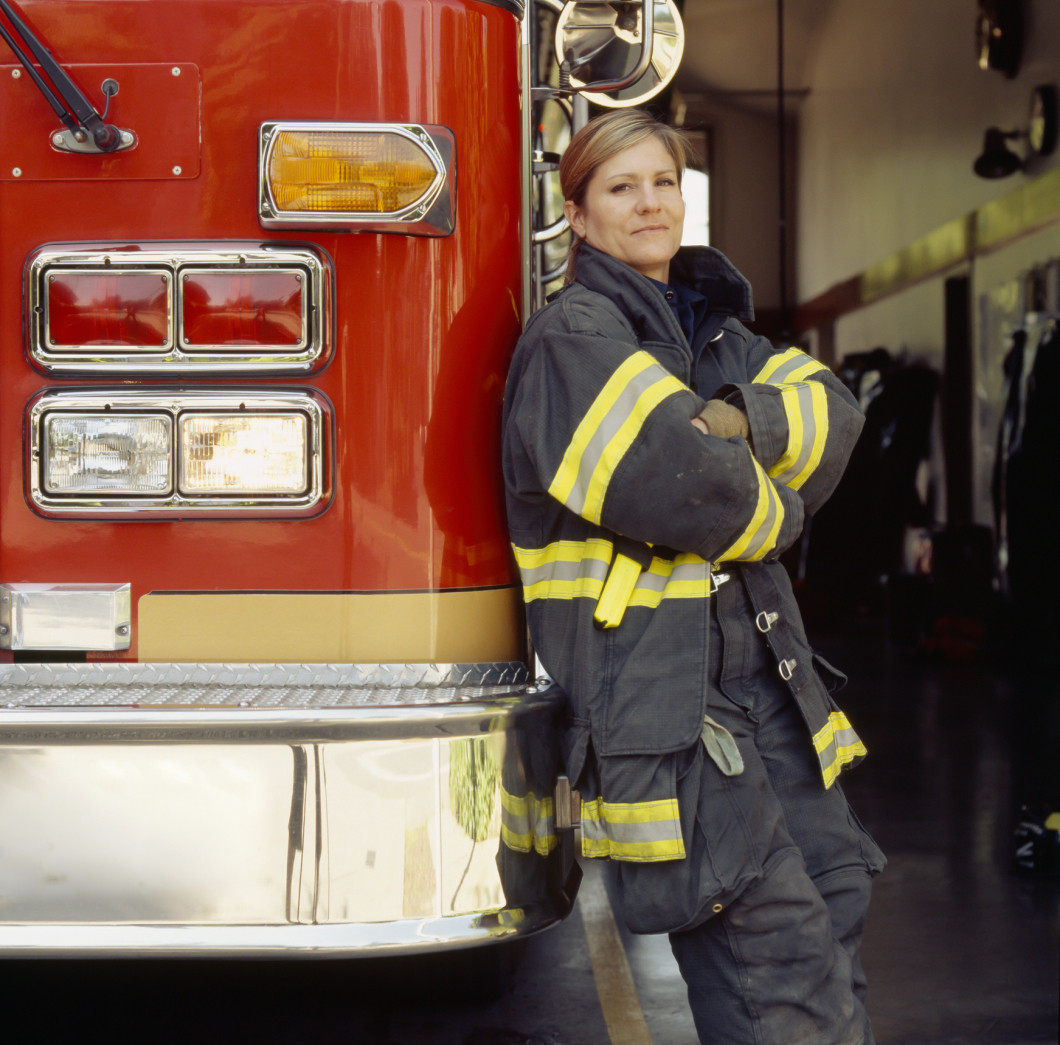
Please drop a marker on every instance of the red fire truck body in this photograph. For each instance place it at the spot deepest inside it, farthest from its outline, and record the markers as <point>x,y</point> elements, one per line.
<point>419,328</point>
<point>265,686</point>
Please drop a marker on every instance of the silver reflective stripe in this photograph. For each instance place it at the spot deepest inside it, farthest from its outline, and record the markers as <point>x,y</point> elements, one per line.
<point>618,414</point>
<point>781,374</point>
<point>804,395</point>
<point>527,823</point>
<point>764,535</point>
<point>635,831</point>
<point>780,369</point>
<point>564,571</point>
<point>837,745</point>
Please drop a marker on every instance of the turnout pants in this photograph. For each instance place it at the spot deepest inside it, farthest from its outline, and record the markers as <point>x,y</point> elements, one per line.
<point>779,963</point>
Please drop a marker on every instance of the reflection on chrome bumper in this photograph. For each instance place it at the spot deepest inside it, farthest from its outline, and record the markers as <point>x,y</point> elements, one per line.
<point>248,809</point>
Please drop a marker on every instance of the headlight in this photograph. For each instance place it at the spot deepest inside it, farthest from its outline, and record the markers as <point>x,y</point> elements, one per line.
<point>375,177</point>
<point>165,453</point>
<point>107,453</point>
<point>241,454</point>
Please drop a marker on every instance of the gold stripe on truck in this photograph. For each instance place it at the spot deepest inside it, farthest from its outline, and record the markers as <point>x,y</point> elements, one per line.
<point>484,625</point>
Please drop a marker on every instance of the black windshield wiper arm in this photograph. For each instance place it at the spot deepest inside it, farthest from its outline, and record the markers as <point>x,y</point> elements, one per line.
<point>64,96</point>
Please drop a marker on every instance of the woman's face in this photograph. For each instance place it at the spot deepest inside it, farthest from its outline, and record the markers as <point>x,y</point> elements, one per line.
<point>633,208</point>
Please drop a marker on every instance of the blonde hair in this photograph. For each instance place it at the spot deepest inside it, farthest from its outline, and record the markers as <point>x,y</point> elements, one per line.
<point>601,138</point>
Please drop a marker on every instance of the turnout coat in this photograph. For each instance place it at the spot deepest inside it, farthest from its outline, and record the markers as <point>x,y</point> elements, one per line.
<point>624,518</point>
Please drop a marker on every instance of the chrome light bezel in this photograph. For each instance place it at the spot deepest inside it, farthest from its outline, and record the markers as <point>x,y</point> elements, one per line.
<point>176,404</point>
<point>174,261</point>
<point>433,214</point>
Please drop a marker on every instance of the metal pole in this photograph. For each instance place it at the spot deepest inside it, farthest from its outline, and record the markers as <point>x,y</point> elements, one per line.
<point>782,160</point>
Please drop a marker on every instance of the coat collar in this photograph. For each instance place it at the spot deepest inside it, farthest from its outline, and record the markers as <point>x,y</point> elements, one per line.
<point>701,268</point>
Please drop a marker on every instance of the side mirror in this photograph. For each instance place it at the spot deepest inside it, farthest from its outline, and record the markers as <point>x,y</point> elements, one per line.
<point>619,52</point>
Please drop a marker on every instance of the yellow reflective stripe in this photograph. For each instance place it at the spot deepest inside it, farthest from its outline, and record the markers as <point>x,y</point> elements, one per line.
<point>759,537</point>
<point>607,431</point>
<point>524,843</point>
<point>577,569</point>
<point>564,569</point>
<point>806,408</point>
<point>837,746</point>
<point>641,832</point>
<point>685,577</point>
<point>528,822</point>
<point>789,366</point>
<point>562,551</point>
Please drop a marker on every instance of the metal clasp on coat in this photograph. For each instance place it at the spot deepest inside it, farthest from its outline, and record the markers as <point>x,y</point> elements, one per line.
<point>764,621</point>
<point>717,580</point>
<point>567,803</point>
<point>787,668</point>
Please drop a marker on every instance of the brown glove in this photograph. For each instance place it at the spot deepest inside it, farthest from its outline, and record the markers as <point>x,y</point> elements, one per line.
<point>724,420</point>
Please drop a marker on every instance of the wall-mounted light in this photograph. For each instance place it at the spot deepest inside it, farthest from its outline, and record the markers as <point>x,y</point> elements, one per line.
<point>997,160</point>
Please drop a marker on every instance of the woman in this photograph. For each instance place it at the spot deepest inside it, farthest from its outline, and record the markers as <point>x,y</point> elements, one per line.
<point>658,458</point>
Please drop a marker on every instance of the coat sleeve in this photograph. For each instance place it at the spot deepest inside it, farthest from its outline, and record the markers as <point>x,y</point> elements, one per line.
<point>803,420</point>
<point>606,432</point>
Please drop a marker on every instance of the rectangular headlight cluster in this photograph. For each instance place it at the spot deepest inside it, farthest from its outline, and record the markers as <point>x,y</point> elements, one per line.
<point>176,453</point>
<point>179,307</point>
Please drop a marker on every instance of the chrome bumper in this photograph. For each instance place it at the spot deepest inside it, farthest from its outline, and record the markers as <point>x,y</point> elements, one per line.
<point>249,810</point>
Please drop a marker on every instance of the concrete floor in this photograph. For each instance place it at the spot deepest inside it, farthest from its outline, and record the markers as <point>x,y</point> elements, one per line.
<point>959,950</point>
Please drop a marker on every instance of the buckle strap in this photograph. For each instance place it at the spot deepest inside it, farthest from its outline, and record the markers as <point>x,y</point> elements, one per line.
<point>629,560</point>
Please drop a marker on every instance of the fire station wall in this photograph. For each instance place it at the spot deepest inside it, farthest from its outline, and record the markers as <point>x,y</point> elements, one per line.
<point>888,132</point>
<point>894,118</point>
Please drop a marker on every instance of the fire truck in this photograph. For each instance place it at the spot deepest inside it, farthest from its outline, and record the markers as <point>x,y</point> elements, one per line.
<point>265,687</point>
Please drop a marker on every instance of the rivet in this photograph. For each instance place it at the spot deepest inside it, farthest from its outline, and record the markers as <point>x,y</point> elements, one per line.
<point>175,70</point>
<point>177,171</point>
<point>57,139</point>
<point>16,74</point>
<point>16,171</point>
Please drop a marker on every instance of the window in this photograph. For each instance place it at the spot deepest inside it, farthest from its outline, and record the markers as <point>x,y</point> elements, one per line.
<point>695,187</point>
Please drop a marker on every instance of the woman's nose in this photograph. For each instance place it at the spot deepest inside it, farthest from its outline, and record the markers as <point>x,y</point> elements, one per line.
<point>648,199</point>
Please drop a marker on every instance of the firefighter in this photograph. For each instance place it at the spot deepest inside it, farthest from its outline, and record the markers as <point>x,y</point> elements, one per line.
<point>658,459</point>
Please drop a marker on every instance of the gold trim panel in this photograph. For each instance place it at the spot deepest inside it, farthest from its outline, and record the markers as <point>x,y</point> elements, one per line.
<point>332,627</point>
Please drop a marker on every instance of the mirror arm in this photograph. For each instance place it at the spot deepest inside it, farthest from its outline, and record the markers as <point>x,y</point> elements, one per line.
<point>646,41</point>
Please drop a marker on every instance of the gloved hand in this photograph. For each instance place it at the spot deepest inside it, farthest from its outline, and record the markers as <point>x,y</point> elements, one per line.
<point>723,420</point>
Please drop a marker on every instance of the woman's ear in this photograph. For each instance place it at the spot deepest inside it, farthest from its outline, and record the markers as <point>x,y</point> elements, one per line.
<point>573,213</point>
